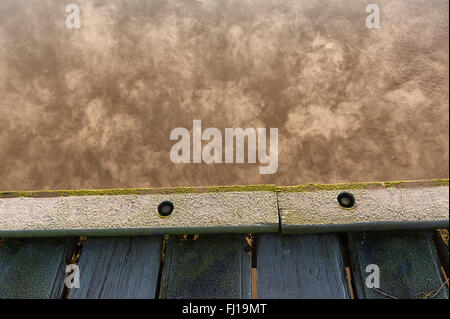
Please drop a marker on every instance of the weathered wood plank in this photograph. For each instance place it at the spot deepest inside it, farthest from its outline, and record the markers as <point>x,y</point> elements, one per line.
<point>126,215</point>
<point>209,267</point>
<point>407,261</point>
<point>442,249</point>
<point>300,266</point>
<point>34,268</point>
<point>377,207</point>
<point>125,267</point>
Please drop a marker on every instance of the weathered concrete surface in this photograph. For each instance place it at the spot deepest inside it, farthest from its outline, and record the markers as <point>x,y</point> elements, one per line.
<point>383,208</point>
<point>241,209</point>
<point>137,214</point>
<point>94,107</point>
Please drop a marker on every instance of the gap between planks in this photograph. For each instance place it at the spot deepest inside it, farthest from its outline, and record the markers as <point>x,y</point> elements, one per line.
<point>77,251</point>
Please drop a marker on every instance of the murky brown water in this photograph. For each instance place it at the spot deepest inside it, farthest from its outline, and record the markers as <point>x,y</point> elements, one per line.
<point>94,107</point>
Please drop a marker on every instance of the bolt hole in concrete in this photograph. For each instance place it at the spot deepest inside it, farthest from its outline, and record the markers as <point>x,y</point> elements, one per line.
<point>165,208</point>
<point>346,200</point>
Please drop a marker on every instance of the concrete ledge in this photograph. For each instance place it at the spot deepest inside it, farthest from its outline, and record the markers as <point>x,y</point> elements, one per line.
<point>375,209</point>
<point>244,212</point>
<point>309,208</point>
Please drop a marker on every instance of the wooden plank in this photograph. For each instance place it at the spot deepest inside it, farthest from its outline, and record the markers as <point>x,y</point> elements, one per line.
<point>300,266</point>
<point>377,207</point>
<point>126,215</point>
<point>442,248</point>
<point>124,267</point>
<point>209,267</point>
<point>34,268</point>
<point>407,261</point>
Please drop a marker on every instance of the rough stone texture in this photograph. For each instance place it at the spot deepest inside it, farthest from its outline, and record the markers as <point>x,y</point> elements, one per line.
<point>376,208</point>
<point>244,211</point>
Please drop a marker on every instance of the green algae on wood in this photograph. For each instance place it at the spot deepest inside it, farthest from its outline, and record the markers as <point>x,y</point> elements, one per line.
<point>444,234</point>
<point>34,268</point>
<point>409,268</point>
<point>209,267</point>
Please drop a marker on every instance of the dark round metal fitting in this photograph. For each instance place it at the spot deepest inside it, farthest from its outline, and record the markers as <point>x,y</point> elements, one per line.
<point>346,200</point>
<point>165,208</point>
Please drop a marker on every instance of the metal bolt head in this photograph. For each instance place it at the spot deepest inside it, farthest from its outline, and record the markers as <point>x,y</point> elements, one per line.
<point>165,208</point>
<point>346,200</point>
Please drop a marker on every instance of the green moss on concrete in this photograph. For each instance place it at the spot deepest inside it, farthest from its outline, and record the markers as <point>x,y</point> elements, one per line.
<point>24,194</point>
<point>87,192</point>
<point>392,184</point>
<point>217,189</point>
<point>326,187</point>
<point>440,182</point>
<point>296,188</point>
<point>344,186</point>
<point>238,188</point>
<point>72,193</point>
<point>141,191</point>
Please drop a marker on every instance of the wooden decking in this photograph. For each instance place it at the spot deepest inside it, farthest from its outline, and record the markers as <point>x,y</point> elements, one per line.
<point>254,242</point>
<point>412,265</point>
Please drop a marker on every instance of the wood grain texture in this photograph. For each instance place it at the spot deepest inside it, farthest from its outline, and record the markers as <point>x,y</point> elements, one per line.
<point>300,266</point>
<point>34,268</point>
<point>442,250</point>
<point>407,260</point>
<point>209,267</point>
<point>124,267</point>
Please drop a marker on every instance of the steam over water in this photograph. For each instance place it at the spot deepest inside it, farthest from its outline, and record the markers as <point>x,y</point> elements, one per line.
<point>94,107</point>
